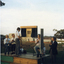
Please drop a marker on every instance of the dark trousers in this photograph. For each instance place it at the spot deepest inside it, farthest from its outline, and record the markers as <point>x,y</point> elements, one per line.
<point>13,47</point>
<point>7,48</point>
<point>52,58</point>
<point>17,51</point>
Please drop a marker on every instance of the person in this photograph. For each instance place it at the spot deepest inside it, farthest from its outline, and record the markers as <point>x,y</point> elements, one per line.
<point>17,41</point>
<point>53,50</point>
<point>13,44</point>
<point>22,51</point>
<point>7,44</point>
<point>37,46</point>
<point>44,50</point>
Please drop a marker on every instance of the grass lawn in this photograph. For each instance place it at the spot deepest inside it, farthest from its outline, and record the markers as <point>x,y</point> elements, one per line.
<point>60,58</point>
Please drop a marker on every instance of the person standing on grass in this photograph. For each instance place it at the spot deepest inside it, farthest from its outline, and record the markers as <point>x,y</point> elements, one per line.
<point>7,44</point>
<point>53,50</point>
<point>17,41</point>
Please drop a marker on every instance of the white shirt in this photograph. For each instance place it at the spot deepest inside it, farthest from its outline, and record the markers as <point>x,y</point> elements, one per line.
<point>6,40</point>
<point>17,34</point>
<point>44,50</point>
<point>22,49</point>
<point>14,40</point>
<point>53,42</point>
<point>38,42</point>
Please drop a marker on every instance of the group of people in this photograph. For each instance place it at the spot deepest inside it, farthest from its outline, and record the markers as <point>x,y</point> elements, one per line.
<point>15,45</point>
<point>14,42</point>
<point>53,49</point>
<point>9,43</point>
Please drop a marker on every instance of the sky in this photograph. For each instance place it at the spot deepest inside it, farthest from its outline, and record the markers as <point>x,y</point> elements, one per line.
<point>46,14</point>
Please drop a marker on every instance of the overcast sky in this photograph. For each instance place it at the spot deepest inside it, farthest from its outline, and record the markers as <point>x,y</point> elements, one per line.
<point>46,14</point>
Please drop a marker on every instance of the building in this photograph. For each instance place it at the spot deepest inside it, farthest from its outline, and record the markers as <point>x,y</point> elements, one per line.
<point>10,35</point>
<point>29,33</point>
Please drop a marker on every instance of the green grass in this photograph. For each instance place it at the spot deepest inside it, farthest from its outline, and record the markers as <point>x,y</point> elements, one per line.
<point>60,58</point>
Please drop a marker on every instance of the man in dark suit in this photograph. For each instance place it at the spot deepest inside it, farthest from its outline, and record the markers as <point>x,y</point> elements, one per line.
<point>53,50</point>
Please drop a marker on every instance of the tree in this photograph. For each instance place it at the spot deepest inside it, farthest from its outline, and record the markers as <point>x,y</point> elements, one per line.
<point>59,34</point>
<point>2,37</point>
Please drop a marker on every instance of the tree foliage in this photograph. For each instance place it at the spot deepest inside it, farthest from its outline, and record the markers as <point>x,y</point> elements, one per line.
<point>59,34</point>
<point>2,37</point>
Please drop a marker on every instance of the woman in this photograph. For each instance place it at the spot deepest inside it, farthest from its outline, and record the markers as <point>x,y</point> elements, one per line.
<point>37,46</point>
<point>13,44</point>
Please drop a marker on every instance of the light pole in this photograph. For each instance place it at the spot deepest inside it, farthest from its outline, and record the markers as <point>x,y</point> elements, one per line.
<point>1,3</point>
